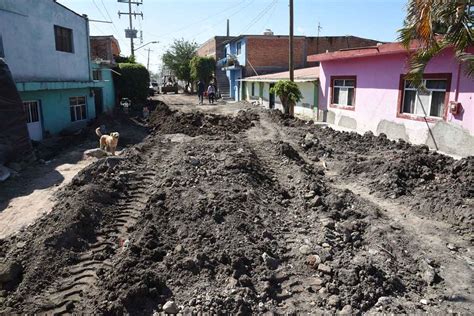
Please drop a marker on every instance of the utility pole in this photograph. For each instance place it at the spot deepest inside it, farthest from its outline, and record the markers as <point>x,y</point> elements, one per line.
<point>131,32</point>
<point>291,61</point>
<point>148,63</point>
<point>228,28</point>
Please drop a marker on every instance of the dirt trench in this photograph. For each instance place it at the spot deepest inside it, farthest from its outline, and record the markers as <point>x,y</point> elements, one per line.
<point>228,214</point>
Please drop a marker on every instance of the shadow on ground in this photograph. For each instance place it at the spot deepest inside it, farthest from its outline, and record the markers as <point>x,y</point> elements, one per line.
<point>68,149</point>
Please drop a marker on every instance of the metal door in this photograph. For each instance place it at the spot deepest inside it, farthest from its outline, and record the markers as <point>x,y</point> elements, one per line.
<point>33,119</point>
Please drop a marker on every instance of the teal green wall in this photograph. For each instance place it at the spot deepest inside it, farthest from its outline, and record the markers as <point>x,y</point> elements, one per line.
<point>55,111</point>
<point>108,89</point>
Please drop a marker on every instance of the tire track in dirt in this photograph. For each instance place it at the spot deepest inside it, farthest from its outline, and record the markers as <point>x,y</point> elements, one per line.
<point>83,276</point>
<point>421,234</point>
<point>294,279</point>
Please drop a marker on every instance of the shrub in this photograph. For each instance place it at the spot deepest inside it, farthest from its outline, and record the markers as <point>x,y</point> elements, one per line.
<point>133,83</point>
<point>289,94</point>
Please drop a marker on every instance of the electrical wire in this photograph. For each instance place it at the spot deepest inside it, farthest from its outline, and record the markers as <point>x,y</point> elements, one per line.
<point>111,20</point>
<point>271,14</point>
<point>225,18</point>
<point>208,17</point>
<point>259,16</point>
<point>222,13</point>
<point>98,9</point>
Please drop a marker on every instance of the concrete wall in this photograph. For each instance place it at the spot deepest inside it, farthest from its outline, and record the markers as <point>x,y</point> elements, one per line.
<point>55,113</point>
<point>377,97</point>
<point>231,48</point>
<point>306,108</point>
<point>27,29</point>
<point>108,88</point>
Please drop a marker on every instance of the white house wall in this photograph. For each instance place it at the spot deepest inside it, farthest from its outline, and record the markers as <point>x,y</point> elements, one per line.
<point>304,108</point>
<point>27,30</point>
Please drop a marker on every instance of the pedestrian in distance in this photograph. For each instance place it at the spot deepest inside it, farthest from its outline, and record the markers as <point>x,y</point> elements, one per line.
<point>201,87</point>
<point>211,93</point>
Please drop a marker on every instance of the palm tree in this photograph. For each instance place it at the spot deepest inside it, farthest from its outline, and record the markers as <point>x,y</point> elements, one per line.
<point>436,25</point>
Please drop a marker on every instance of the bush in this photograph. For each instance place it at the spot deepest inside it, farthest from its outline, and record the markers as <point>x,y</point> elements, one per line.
<point>133,83</point>
<point>289,94</point>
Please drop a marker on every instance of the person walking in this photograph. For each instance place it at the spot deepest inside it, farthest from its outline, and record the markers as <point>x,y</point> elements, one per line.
<point>201,88</point>
<point>211,93</point>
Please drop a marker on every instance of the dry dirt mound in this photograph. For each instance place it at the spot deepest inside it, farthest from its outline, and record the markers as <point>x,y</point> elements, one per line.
<point>166,121</point>
<point>433,184</point>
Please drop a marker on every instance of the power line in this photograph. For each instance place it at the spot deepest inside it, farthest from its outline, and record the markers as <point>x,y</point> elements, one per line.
<point>213,15</point>
<point>113,24</point>
<point>259,16</point>
<point>225,18</point>
<point>98,9</point>
<point>271,14</point>
<point>239,9</point>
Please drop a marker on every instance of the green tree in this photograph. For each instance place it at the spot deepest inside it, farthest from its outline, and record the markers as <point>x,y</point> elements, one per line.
<point>202,68</point>
<point>289,94</point>
<point>436,25</point>
<point>133,83</point>
<point>178,58</point>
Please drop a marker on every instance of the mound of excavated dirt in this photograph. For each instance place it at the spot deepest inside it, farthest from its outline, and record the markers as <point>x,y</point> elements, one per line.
<point>217,225</point>
<point>166,121</point>
<point>433,184</point>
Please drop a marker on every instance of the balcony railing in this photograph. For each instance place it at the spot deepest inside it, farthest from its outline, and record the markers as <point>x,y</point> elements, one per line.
<point>228,61</point>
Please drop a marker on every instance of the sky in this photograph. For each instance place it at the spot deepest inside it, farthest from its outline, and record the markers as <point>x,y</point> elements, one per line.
<point>199,20</point>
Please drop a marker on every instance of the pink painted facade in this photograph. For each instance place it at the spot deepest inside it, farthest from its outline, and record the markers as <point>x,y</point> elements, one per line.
<point>377,98</point>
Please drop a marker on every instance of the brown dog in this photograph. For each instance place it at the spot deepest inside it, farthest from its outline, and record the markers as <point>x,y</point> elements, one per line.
<point>108,142</point>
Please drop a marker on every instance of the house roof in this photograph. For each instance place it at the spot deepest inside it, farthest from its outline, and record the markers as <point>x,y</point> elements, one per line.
<point>378,50</point>
<point>62,5</point>
<point>301,75</point>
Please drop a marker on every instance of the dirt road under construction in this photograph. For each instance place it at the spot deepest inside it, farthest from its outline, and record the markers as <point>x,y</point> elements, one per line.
<point>237,209</point>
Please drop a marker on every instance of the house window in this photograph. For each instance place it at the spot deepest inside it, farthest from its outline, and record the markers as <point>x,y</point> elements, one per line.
<point>343,91</point>
<point>425,102</point>
<point>32,111</point>
<point>77,106</point>
<point>63,37</point>
<point>239,48</point>
<point>253,89</point>
<point>97,74</point>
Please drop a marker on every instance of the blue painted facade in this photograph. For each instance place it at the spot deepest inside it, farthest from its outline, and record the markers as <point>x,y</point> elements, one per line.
<point>235,51</point>
<point>46,73</point>
<point>106,85</point>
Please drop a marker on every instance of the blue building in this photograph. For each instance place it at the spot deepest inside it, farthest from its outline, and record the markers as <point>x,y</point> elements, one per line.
<point>46,46</point>
<point>256,55</point>
<point>104,50</point>
<point>234,65</point>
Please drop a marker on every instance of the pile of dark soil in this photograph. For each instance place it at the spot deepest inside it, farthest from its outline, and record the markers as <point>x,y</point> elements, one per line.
<point>166,121</point>
<point>432,183</point>
<point>216,225</point>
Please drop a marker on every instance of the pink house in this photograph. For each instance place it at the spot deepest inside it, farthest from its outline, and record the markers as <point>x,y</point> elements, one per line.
<point>365,89</point>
